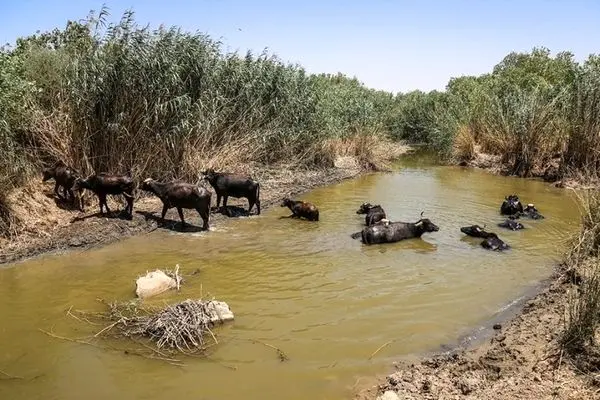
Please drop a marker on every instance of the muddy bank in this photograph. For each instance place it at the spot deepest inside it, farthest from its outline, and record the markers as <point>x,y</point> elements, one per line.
<point>51,227</point>
<point>549,173</point>
<point>522,360</point>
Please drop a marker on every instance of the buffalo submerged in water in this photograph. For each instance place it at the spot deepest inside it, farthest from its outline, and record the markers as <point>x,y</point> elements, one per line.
<point>490,241</point>
<point>386,231</point>
<point>374,213</point>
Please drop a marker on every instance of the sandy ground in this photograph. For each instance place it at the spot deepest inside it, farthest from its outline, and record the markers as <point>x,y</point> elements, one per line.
<point>50,226</point>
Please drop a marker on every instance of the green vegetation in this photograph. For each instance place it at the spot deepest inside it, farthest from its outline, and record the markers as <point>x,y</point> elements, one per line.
<point>539,113</point>
<point>167,103</point>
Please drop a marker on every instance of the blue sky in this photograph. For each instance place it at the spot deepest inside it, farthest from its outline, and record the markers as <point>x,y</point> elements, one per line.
<point>390,45</point>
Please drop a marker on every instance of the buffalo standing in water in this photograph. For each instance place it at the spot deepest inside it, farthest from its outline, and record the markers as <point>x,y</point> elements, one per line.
<point>511,205</point>
<point>389,232</point>
<point>227,185</point>
<point>181,195</point>
<point>301,209</point>
<point>375,213</point>
<point>491,241</point>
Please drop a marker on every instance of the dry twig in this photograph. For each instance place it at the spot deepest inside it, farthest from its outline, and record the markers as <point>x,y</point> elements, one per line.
<point>9,376</point>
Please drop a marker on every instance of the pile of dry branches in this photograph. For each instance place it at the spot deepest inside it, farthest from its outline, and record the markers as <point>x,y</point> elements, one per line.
<point>182,326</point>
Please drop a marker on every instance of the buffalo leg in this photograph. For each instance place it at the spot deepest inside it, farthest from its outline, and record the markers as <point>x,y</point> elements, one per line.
<point>218,201</point>
<point>129,206</point>
<point>180,211</point>
<point>65,193</point>
<point>164,211</point>
<point>257,206</point>
<point>56,190</point>
<point>204,215</point>
<point>250,204</point>
<point>102,199</point>
<point>225,205</point>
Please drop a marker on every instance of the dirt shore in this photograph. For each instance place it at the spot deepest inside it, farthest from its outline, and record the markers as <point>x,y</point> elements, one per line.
<point>48,226</point>
<point>523,359</point>
<point>549,174</point>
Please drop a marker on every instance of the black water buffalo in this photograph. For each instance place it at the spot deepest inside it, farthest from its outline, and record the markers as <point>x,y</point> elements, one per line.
<point>228,184</point>
<point>375,213</point>
<point>474,231</point>
<point>511,205</point>
<point>511,224</point>
<point>103,184</point>
<point>181,195</point>
<point>64,176</point>
<point>531,212</point>
<point>301,209</point>
<point>491,241</point>
<point>389,232</point>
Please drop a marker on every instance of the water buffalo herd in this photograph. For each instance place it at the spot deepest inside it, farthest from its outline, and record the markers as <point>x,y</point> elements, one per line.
<point>177,194</point>
<point>513,209</point>
<point>173,194</point>
<point>379,229</point>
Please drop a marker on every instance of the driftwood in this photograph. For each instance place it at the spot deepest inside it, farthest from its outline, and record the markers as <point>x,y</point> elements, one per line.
<point>184,327</point>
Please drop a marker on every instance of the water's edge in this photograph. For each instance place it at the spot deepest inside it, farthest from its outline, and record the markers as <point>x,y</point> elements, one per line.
<point>83,238</point>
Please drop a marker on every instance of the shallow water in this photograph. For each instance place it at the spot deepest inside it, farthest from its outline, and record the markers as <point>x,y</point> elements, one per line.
<point>326,300</point>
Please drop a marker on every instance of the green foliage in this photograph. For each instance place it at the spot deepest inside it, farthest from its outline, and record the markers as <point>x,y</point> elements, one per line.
<point>533,109</point>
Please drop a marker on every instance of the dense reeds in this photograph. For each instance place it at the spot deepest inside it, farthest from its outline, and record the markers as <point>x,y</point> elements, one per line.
<point>583,263</point>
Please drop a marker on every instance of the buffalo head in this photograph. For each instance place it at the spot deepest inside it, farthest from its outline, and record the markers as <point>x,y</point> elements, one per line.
<point>47,174</point>
<point>364,208</point>
<point>531,209</point>
<point>511,205</point>
<point>146,184</point>
<point>286,202</point>
<point>512,200</point>
<point>209,175</point>
<point>474,230</point>
<point>427,225</point>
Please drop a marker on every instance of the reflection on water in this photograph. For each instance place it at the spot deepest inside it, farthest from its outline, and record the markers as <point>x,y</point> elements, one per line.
<point>326,300</point>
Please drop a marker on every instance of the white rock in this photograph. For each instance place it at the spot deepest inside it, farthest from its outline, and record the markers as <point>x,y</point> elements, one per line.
<point>154,283</point>
<point>389,395</point>
<point>219,311</point>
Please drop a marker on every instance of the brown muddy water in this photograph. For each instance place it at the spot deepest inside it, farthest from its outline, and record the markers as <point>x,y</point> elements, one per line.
<point>326,300</point>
